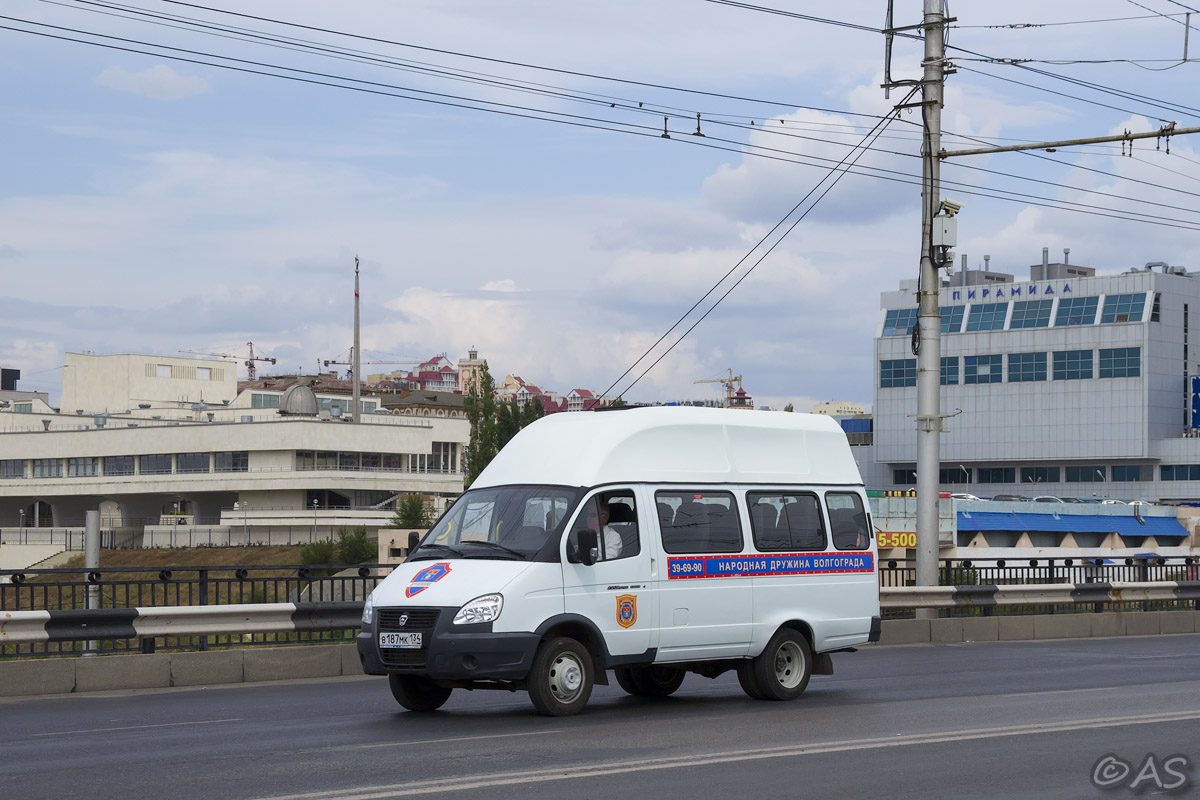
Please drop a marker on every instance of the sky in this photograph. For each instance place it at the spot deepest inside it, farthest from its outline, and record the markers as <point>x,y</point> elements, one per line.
<point>156,205</point>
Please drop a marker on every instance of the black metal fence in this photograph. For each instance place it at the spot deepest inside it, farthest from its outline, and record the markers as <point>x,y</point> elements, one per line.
<point>132,587</point>
<point>1032,571</point>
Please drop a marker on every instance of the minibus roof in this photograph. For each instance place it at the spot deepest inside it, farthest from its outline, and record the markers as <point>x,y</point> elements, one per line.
<point>673,444</point>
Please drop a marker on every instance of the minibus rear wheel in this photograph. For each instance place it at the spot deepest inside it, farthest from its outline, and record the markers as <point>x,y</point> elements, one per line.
<point>418,693</point>
<point>650,681</point>
<point>785,666</point>
<point>560,681</point>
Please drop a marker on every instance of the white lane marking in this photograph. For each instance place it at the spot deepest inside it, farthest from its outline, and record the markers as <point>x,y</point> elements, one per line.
<point>584,771</point>
<point>141,727</point>
<point>441,741</point>
<point>1064,691</point>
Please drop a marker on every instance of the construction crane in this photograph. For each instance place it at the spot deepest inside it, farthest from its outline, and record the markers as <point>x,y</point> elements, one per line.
<point>251,370</point>
<point>728,382</point>
<point>350,363</point>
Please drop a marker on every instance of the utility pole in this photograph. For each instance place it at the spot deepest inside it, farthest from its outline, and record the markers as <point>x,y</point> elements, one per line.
<point>929,323</point>
<point>355,391</point>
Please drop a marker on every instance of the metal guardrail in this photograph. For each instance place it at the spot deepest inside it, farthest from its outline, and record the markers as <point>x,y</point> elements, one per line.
<point>124,588</point>
<point>29,627</point>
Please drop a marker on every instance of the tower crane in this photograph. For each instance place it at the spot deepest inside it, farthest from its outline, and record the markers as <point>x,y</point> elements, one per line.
<point>728,383</point>
<point>251,371</point>
<point>350,363</point>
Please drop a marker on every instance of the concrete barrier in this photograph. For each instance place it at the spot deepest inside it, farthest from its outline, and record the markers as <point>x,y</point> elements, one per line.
<point>106,673</point>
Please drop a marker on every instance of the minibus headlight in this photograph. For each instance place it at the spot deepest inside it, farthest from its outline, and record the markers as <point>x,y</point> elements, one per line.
<point>368,609</point>
<point>481,609</point>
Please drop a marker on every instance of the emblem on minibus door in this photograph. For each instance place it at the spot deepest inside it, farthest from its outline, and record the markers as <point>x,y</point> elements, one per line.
<point>626,610</point>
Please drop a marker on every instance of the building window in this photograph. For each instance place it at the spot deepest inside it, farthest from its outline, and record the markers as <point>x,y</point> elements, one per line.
<point>349,461</point>
<point>368,406</point>
<point>157,464</point>
<point>1076,311</point>
<point>1085,474</point>
<point>190,463</point>
<point>904,477</point>
<point>952,317</point>
<point>83,467</point>
<point>1127,473</point>
<point>392,462</point>
<point>997,474</point>
<point>118,465</point>
<point>23,408</point>
<point>47,468</point>
<point>12,468</point>
<point>1070,365</point>
<point>1023,367</point>
<point>162,370</point>
<point>900,372</point>
<point>982,369</point>
<point>232,462</point>
<point>1181,472</point>
<point>204,373</point>
<point>1031,314</point>
<point>987,317</point>
<point>264,400</point>
<point>1123,307</point>
<point>1121,362</point>
<point>949,370</point>
<point>899,322</point>
<point>1037,475</point>
<point>1155,310</point>
<point>954,475</point>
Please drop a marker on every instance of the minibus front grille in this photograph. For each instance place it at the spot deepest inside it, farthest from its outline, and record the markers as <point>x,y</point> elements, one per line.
<point>407,619</point>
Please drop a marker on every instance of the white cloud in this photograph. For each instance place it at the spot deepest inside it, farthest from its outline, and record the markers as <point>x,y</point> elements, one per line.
<point>159,82</point>
<point>506,285</point>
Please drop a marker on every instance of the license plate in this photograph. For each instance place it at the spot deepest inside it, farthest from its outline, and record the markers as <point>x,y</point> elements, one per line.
<point>388,639</point>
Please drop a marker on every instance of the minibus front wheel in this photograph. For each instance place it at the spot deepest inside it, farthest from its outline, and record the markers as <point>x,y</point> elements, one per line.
<point>783,669</point>
<point>560,681</point>
<point>418,693</point>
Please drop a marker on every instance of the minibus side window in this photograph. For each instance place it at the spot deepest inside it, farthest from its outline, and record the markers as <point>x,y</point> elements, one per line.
<point>702,522</point>
<point>786,521</point>
<point>848,521</point>
<point>613,515</point>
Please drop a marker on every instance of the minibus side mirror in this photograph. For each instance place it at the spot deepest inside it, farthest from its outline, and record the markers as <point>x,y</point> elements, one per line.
<point>589,547</point>
<point>414,539</point>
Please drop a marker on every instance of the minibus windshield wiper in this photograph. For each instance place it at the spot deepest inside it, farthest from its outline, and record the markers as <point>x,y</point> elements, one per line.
<point>445,547</point>
<point>498,546</point>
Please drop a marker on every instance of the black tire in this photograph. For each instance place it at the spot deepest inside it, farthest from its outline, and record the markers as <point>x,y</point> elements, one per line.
<point>560,681</point>
<point>624,676</point>
<point>658,681</point>
<point>745,673</point>
<point>418,693</point>
<point>783,670</point>
<point>650,681</point>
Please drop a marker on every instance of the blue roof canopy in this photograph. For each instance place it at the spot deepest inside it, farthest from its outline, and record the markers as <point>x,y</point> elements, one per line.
<point>1070,523</point>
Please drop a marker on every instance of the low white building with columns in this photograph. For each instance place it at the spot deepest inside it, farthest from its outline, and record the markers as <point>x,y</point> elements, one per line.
<point>170,454</point>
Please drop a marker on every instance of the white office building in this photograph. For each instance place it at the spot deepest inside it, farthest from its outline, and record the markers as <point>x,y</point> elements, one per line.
<point>1065,384</point>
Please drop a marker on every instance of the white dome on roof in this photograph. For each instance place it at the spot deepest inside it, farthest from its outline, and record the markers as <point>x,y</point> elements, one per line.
<point>298,401</point>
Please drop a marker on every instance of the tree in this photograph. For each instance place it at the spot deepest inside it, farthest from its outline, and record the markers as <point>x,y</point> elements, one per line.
<point>493,422</point>
<point>411,513</point>
<point>789,408</point>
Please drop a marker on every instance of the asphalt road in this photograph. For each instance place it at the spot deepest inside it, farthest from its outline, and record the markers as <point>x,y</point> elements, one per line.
<point>995,720</point>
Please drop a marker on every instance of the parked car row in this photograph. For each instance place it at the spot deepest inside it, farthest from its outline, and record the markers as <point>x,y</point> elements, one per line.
<point>1049,498</point>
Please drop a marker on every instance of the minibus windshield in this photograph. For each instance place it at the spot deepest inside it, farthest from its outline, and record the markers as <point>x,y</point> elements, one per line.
<point>507,522</point>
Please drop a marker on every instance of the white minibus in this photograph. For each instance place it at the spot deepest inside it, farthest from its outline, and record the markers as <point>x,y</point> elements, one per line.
<point>648,542</point>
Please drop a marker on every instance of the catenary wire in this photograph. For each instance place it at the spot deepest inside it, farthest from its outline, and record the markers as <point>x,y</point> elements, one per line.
<point>837,176</point>
<point>598,124</point>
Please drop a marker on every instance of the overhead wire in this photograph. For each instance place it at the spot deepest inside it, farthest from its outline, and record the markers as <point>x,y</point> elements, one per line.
<point>628,128</point>
<point>835,173</point>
